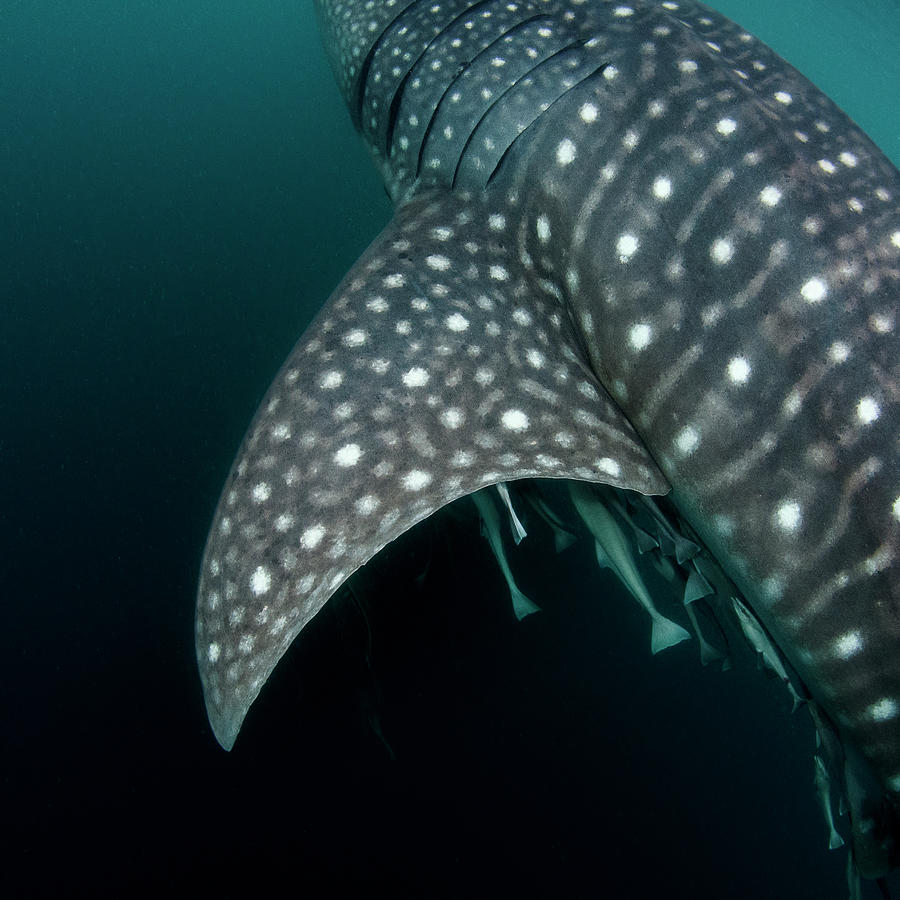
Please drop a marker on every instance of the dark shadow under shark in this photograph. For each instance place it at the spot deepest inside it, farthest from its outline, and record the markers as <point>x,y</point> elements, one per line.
<point>633,251</point>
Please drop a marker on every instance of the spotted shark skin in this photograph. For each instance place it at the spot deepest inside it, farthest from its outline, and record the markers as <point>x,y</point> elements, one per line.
<point>631,246</point>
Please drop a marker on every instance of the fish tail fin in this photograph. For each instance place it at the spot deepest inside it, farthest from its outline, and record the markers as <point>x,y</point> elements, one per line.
<point>666,633</point>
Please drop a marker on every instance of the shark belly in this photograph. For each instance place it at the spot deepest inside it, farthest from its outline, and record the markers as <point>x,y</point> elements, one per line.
<point>632,247</point>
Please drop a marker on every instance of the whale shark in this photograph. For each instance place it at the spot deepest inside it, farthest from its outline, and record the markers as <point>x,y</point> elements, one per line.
<point>642,282</point>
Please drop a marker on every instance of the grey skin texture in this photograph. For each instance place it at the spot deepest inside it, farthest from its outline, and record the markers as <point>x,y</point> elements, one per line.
<point>631,247</point>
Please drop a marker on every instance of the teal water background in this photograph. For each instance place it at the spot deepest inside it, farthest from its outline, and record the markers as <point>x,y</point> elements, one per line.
<point>180,190</point>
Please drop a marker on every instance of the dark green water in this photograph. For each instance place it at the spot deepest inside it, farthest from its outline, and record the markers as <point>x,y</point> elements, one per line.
<point>180,190</point>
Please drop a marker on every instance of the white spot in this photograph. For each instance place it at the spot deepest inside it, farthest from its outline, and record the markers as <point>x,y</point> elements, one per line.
<point>662,188</point>
<point>792,404</point>
<point>783,97</point>
<point>849,159</point>
<point>814,290</point>
<point>416,480</point>
<point>284,522</point>
<point>687,65</point>
<point>881,324</point>
<point>896,509</point>
<point>687,440</point>
<point>543,229</point>
<point>623,11</point>
<point>883,710</point>
<point>331,380</point>
<point>812,225</point>
<point>566,152</point>
<point>416,377</point>
<point>522,317</point>
<point>260,581</point>
<point>281,432</point>
<point>498,273</point>
<point>355,338</point>
<point>867,410</point>
<point>497,222</point>
<point>739,370</point>
<point>366,505</point>
<point>721,251</point>
<point>626,246</point>
<point>588,113</point>
<point>848,644</point>
<point>789,516</point>
<point>609,466</point>
<point>245,645</point>
<point>312,537</point>
<point>462,459</point>
<point>770,196</point>
<point>827,166</point>
<point>261,492</point>
<point>395,281</point>
<point>514,420</point>
<point>348,455</point>
<point>535,358</point>
<point>378,305</point>
<point>452,418</point>
<point>213,651</point>
<point>839,352</point>
<point>726,126</point>
<point>457,322</point>
<point>437,262</point>
<point>640,335</point>
<point>895,239</point>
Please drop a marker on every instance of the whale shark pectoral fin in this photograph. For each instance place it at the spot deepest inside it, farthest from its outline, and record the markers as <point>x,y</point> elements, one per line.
<point>441,365</point>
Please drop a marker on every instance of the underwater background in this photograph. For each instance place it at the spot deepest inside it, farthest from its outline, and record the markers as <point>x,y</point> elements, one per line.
<point>180,191</point>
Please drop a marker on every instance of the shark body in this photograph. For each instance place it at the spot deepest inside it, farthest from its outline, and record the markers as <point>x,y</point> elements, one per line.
<point>633,247</point>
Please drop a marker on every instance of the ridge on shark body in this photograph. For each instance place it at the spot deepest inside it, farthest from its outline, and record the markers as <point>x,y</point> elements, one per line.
<point>632,247</point>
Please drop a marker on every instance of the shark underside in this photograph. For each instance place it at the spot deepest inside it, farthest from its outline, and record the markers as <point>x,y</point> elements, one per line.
<point>641,285</point>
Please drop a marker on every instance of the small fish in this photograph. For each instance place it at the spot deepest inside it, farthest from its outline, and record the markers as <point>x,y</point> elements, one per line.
<point>614,550</point>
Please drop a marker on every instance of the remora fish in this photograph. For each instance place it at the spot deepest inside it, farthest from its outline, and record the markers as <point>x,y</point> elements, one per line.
<point>631,246</point>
